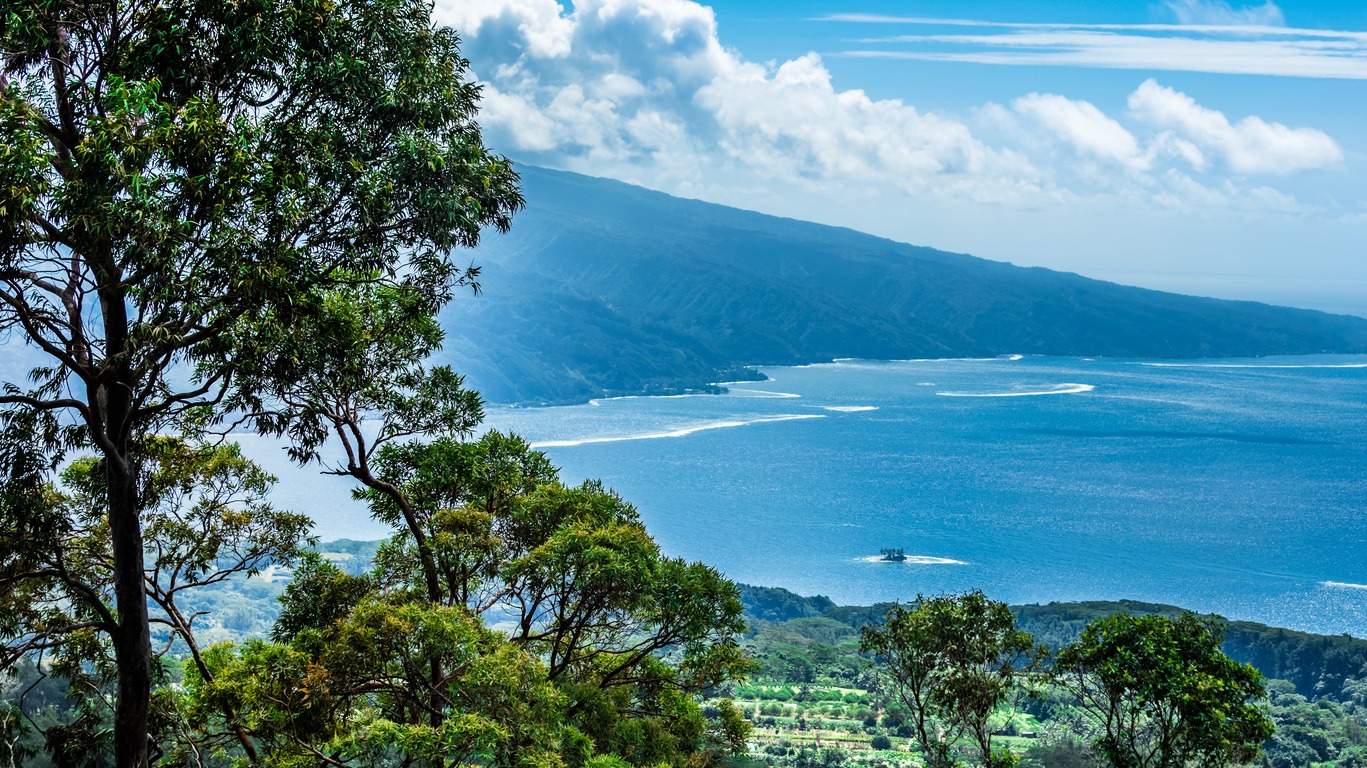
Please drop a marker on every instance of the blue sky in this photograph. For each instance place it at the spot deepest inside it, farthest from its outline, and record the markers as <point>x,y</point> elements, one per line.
<point>1192,145</point>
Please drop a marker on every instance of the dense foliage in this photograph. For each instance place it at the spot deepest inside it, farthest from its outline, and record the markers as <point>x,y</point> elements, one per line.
<point>814,685</point>
<point>1163,693</point>
<point>952,663</point>
<point>1319,666</point>
<point>563,635</point>
<point>206,522</point>
<point>180,179</point>
<point>814,698</point>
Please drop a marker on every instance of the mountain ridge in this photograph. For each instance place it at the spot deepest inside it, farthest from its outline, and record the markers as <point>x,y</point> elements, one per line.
<point>603,288</point>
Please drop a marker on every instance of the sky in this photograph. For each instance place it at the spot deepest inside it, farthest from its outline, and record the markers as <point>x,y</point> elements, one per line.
<point>1201,146</point>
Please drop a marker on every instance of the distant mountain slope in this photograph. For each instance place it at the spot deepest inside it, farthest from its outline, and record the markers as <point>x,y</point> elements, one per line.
<point>602,287</point>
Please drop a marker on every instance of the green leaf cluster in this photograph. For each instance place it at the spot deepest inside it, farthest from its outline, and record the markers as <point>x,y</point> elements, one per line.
<point>207,522</point>
<point>180,180</point>
<point>1164,693</point>
<point>952,662</point>
<point>561,633</point>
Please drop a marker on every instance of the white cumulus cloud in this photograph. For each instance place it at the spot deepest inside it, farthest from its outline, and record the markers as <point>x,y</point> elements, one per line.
<point>633,80</point>
<point>1249,146</point>
<point>1082,125</point>
<point>1171,126</point>
<point>644,90</point>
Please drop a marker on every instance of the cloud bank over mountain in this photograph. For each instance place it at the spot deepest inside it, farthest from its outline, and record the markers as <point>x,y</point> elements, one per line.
<point>646,90</point>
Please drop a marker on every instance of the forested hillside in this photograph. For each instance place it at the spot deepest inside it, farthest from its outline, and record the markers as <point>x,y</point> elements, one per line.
<point>602,287</point>
<point>815,698</point>
<point>1319,666</point>
<point>811,667</point>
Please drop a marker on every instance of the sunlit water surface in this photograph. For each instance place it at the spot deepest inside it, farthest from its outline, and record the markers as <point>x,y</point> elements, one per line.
<point>1230,486</point>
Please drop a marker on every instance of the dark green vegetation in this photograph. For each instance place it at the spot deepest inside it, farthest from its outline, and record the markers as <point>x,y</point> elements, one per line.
<point>815,697</point>
<point>951,664</point>
<point>560,636</point>
<point>812,673</point>
<point>607,288</point>
<point>181,183</point>
<point>1165,695</point>
<point>221,215</point>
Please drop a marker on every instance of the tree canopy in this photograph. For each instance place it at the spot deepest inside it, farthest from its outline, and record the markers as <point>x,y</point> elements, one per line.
<point>952,662</point>
<point>206,522</point>
<point>563,633</point>
<point>178,180</point>
<point>1164,693</point>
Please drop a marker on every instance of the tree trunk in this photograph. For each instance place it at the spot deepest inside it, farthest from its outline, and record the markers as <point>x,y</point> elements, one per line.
<point>132,640</point>
<point>132,637</point>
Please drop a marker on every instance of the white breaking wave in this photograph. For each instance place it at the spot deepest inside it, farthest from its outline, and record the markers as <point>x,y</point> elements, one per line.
<point>848,408</point>
<point>763,393</point>
<point>864,363</point>
<point>597,401</point>
<point>1255,365</point>
<point>1061,389</point>
<point>682,432</point>
<point>916,560</point>
<point>997,359</point>
<point>1342,585</point>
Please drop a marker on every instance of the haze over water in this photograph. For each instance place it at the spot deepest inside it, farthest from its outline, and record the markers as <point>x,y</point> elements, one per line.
<point>1233,486</point>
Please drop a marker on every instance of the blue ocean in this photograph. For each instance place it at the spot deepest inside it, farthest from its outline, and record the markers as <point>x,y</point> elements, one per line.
<point>1230,486</point>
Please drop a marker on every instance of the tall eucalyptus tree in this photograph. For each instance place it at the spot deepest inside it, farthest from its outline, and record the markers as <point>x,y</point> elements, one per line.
<point>178,177</point>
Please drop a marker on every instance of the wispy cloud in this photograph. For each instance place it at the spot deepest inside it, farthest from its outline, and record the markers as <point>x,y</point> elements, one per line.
<point>1221,12</point>
<point>1211,37</point>
<point>1240,29</point>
